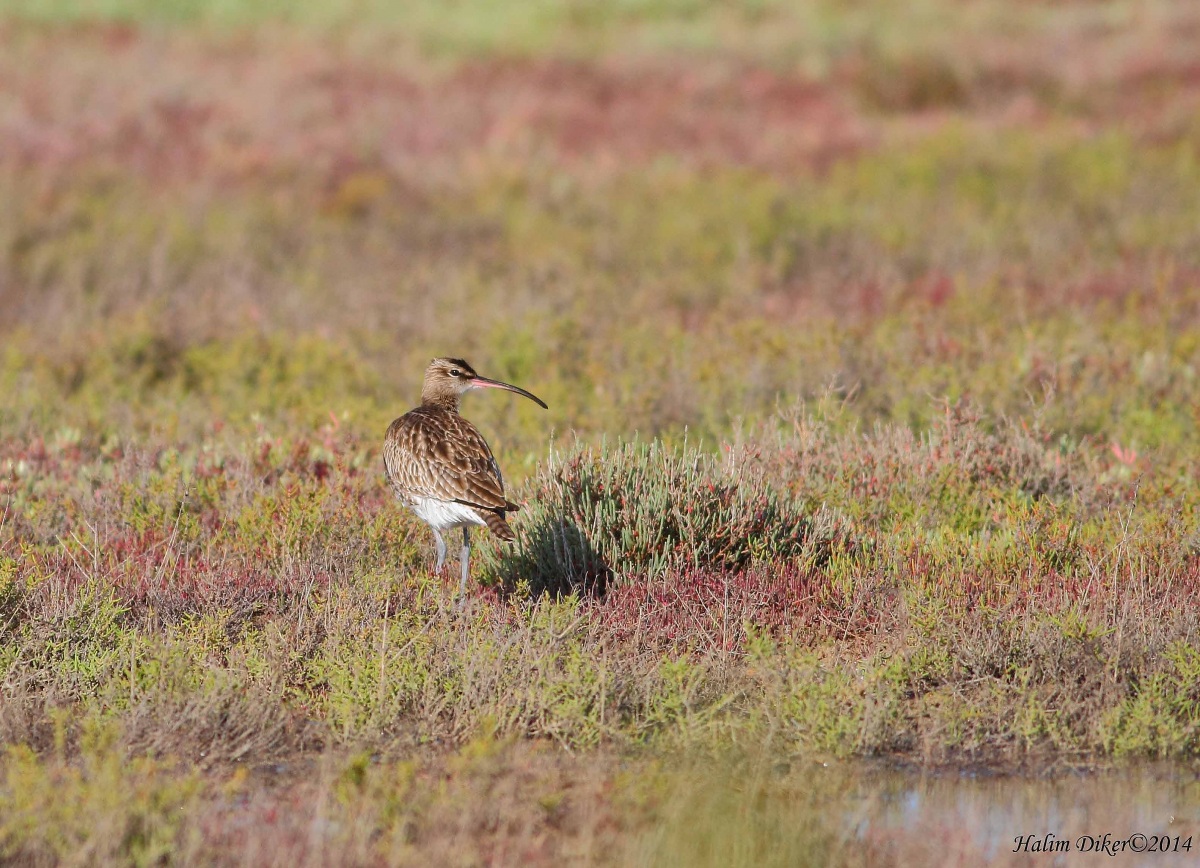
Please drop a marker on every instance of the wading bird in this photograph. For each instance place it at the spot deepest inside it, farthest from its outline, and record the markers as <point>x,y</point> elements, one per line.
<point>441,467</point>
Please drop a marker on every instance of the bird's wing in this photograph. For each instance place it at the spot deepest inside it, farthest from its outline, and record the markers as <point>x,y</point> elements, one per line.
<point>440,454</point>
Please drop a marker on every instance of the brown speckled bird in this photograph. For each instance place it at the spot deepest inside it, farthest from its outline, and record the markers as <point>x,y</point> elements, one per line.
<point>440,465</point>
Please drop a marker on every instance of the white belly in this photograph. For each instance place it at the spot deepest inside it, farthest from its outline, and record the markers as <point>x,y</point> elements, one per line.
<point>444,515</point>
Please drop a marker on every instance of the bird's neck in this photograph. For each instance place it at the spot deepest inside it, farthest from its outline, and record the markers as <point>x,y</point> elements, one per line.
<point>442,400</point>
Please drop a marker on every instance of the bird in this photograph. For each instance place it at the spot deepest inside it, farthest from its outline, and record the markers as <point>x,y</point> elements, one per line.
<point>440,466</point>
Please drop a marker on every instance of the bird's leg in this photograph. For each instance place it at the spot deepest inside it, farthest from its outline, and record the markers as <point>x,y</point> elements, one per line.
<point>441,550</point>
<point>464,558</point>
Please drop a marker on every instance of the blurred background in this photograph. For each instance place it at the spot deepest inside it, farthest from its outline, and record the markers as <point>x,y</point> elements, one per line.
<point>656,214</point>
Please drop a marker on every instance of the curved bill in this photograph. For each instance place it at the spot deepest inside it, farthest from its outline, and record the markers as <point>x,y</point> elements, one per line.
<point>484,382</point>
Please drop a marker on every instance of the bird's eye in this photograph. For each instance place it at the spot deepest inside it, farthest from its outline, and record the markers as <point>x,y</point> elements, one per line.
<point>456,373</point>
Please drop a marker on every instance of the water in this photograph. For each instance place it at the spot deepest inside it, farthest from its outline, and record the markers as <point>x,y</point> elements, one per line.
<point>1070,818</point>
<point>867,814</point>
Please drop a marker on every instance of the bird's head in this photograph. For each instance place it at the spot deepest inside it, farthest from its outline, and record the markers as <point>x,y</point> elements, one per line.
<point>447,380</point>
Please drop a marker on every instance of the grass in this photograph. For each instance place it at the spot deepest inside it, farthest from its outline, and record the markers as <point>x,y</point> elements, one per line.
<point>983,568</point>
<point>816,33</point>
<point>872,363</point>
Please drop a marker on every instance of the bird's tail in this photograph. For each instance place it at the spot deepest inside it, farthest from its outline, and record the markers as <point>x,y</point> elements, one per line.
<point>497,525</point>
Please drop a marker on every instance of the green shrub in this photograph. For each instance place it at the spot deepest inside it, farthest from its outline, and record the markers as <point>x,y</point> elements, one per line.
<point>639,509</point>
